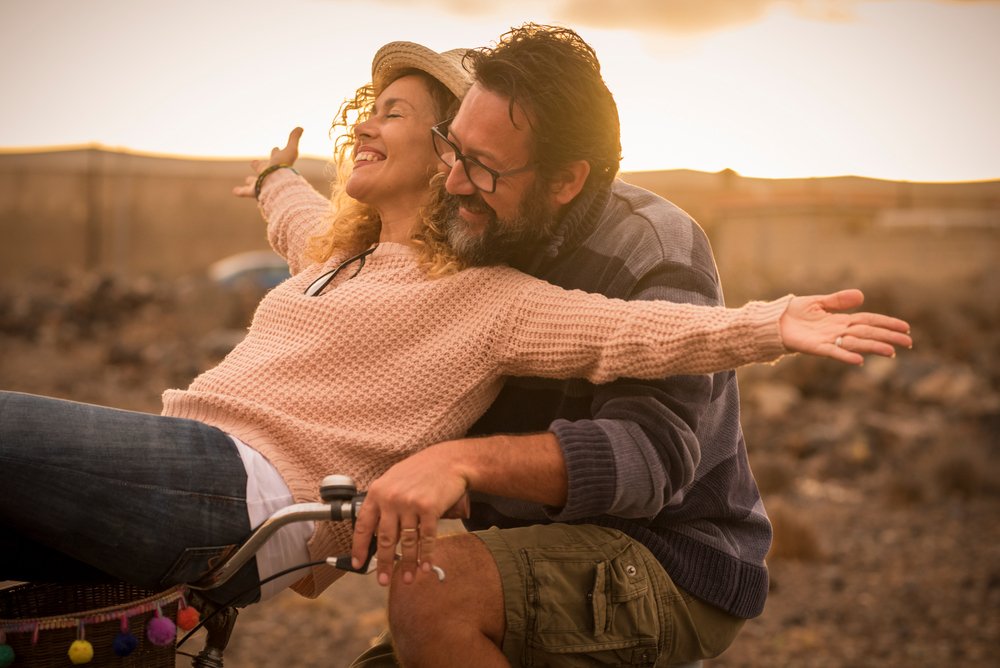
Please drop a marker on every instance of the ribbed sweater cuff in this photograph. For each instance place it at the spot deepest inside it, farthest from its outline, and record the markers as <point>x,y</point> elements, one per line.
<point>271,184</point>
<point>721,580</point>
<point>765,320</point>
<point>590,468</point>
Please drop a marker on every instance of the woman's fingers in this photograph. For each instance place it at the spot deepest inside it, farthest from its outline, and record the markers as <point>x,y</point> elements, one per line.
<point>842,300</point>
<point>289,153</point>
<point>858,340</point>
<point>893,335</point>
<point>293,140</point>
<point>882,321</point>
<point>279,156</point>
<point>245,190</point>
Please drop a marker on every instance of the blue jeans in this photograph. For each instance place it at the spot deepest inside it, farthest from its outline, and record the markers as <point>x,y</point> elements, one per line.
<point>90,493</point>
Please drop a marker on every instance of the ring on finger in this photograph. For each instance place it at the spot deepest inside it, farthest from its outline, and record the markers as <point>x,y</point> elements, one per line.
<point>410,530</point>
<point>839,342</point>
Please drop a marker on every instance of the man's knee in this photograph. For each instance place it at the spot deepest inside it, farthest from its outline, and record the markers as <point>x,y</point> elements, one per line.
<point>468,600</point>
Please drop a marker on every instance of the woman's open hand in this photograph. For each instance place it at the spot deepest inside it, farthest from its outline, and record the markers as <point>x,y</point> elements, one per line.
<point>279,156</point>
<point>813,325</point>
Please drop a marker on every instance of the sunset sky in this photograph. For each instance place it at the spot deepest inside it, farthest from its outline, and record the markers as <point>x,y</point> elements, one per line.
<point>896,89</point>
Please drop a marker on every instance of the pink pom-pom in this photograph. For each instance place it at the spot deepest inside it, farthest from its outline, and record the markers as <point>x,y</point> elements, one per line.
<point>161,631</point>
<point>187,618</point>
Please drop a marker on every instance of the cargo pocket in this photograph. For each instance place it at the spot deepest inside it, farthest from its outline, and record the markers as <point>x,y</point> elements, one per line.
<point>603,608</point>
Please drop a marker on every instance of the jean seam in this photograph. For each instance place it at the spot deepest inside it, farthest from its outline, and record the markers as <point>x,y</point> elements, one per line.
<point>124,483</point>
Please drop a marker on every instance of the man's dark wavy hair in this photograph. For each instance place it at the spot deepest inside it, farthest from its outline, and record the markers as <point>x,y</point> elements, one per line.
<point>555,77</point>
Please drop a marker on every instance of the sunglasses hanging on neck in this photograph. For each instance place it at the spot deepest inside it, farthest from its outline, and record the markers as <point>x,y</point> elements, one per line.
<point>317,286</point>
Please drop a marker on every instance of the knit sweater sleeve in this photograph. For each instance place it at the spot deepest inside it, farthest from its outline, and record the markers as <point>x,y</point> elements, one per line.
<point>557,333</point>
<point>294,212</point>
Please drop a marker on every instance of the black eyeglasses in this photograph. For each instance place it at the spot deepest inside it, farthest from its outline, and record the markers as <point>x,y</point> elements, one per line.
<point>480,175</point>
<point>317,286</point>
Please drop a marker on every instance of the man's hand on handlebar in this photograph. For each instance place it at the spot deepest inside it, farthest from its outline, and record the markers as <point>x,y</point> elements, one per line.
<point>403,506</point>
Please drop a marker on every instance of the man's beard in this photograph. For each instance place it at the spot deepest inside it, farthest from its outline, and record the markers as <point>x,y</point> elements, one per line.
<point>511,241</point>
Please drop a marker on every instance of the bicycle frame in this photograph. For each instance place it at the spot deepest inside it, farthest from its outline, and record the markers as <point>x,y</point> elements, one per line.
<point>341,502</point>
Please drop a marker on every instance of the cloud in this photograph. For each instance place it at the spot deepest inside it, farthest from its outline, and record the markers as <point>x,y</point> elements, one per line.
<point>676,16</point>
<point>695,16</point>
<point>683,16</point>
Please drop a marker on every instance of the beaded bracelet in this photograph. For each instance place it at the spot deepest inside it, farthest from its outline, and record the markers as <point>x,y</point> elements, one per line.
<point>263,175</point>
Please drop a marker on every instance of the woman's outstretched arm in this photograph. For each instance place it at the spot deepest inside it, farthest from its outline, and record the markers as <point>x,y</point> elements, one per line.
<point>287,155</point>
<point>565,334</point>
<point>293,209</point>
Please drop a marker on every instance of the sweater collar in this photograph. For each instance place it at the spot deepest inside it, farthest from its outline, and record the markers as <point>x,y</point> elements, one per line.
<point>572,229</point>
<point>393,249</point>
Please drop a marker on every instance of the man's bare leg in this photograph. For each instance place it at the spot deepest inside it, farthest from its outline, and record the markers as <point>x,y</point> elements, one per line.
<point>458,622</point>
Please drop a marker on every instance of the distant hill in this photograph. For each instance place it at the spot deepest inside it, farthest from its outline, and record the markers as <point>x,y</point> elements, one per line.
<point>98,209</point>
<point>710,196</point>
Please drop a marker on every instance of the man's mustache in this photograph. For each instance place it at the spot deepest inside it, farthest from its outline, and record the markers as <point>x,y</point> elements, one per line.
<point>473,203</point>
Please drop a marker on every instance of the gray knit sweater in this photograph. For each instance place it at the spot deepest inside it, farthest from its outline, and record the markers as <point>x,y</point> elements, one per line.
<point>663,461</point>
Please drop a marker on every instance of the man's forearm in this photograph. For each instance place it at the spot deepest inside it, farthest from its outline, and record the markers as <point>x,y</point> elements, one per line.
<point>529,467</point>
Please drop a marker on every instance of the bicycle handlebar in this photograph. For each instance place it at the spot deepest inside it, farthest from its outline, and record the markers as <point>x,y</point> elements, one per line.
<point>341,502</point>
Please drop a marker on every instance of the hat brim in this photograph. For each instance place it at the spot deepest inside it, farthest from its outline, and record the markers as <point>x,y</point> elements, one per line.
<point>446,67</point>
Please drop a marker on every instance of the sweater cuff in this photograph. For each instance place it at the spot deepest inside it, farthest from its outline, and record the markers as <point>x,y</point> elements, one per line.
<point>272,185</point>
<point>765,323</point>
<point>590,470</point>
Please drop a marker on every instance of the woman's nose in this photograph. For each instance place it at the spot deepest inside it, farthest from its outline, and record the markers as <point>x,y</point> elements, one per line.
<point>365,128</point>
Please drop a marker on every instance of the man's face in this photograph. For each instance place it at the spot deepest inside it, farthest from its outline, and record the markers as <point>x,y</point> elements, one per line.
<point>499,226</point>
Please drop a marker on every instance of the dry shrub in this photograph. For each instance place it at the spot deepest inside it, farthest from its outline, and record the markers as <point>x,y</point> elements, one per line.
<point>774,475</point>
<point>904,490</point>
<point>958,475</point>
<point>794,535</point>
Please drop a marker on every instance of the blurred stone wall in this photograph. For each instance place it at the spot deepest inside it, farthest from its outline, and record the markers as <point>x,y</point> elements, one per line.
<point>130,215</point>
<point>125,214</point>
<point>767,251</point>
<point>773,236</point>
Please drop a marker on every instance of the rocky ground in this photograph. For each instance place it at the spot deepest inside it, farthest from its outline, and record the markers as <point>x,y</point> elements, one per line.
<point>882,482</point>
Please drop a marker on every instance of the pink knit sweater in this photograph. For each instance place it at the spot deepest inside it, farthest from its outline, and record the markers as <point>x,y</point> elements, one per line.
<point>388,362</point>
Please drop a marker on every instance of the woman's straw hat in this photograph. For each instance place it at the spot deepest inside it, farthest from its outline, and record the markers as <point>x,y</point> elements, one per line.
<point>446,67</point>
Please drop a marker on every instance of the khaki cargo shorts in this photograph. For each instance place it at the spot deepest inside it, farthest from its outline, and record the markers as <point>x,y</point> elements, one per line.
<point>580,595</point>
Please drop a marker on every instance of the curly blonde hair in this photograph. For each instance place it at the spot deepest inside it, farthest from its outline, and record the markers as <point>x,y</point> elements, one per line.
<point>354,226</point>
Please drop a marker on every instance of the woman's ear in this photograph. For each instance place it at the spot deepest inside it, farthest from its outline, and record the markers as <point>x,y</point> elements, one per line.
<point>568,181</point>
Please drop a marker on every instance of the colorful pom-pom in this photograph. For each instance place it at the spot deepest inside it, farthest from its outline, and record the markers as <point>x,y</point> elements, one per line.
<point>6,655</point>
<point>124,643</point>
<point>81,651</point>
<point>187,618</point>
<point>161,631</point>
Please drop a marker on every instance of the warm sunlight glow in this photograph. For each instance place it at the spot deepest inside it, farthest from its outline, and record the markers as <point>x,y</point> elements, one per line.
<point>899,90</point>
<point>881,96</point>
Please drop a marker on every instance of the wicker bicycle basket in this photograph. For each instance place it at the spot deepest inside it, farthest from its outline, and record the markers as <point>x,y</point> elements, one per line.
<point>41,621</point>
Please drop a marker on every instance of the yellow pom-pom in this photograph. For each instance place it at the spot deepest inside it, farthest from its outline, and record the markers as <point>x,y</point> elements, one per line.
<point>81,651</point>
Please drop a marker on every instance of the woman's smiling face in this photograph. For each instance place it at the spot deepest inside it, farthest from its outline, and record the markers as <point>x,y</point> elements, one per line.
<point>393,154</point>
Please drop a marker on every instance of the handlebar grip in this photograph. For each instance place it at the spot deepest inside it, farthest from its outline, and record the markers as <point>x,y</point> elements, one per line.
<point>345,509</point>
<point>343,561</point>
